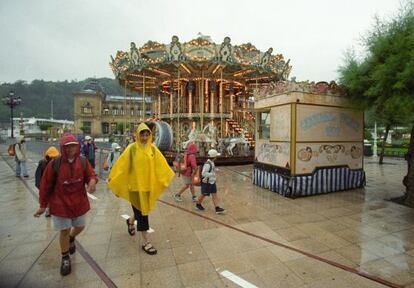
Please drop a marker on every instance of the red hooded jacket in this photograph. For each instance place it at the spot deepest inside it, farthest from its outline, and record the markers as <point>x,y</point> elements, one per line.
<point>191,159</point>
<point>69,197</point>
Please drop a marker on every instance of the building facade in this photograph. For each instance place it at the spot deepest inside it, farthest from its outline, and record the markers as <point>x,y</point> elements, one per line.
<point>98,114</point>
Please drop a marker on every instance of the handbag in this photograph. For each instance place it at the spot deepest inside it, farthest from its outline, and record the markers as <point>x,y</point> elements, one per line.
<point>105,164</point>
<point>196,178</point>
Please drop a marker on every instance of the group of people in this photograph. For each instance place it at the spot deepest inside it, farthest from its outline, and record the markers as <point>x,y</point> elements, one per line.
<point>139,175</point>
<point>208,185</point>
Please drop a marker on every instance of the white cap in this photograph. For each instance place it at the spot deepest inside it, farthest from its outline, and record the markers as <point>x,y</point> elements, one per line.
<point>71,143</point>
<point>212,153</point>
<point>87,138</point>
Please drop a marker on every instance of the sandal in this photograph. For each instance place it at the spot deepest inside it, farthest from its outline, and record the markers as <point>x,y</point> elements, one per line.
<point>149,249</point>
<point>131,227</point>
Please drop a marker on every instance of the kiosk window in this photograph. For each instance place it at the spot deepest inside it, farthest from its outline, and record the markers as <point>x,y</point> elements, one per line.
<point>264,125</point>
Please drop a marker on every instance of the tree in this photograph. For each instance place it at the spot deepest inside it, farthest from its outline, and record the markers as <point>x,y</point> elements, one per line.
<point>120,128</point>
<point>45,126</point>
<point>384,79</point>
<point>37,96</point>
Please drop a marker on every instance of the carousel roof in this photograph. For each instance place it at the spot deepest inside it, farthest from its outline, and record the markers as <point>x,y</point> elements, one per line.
<point>242,63</point>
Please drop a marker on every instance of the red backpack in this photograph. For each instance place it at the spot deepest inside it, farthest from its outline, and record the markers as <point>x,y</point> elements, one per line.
<point>12,150</point>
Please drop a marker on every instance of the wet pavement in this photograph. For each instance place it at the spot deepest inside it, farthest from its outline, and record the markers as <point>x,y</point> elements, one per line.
<point>345,239</point>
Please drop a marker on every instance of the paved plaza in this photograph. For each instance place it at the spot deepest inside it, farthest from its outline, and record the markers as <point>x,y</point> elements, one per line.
<point>344,239</point>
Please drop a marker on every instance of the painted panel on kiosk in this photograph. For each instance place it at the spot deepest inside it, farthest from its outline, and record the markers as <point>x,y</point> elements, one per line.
<point>324,124</point>
<point>273,153</point>
<point>280,123</point>
<point>312,155</point>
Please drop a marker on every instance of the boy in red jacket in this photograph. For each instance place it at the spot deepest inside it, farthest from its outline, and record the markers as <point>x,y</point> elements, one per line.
<point>63,188</point>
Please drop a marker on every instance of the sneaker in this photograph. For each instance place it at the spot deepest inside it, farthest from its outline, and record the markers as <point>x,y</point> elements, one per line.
<point>194,198</point>
<point>199,207</point>
<point>26,176</point>
<point>65,267</point>
<point>72,247</point>
<point>220,210</point>
<point>47,213</point>
<point>177,198</point>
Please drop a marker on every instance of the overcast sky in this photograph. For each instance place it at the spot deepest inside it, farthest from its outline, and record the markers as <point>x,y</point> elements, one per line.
<point>73,39</point>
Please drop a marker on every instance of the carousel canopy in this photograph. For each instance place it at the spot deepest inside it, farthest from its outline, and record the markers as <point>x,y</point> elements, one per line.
<point>155,63</point>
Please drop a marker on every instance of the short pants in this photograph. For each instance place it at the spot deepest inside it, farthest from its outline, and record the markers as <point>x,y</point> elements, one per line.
<point>188,180</point>
<point>207,189</point>
<point>63,223</point>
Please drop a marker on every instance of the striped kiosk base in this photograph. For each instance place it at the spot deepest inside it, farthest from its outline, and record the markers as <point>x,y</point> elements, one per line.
<point>322,180</point>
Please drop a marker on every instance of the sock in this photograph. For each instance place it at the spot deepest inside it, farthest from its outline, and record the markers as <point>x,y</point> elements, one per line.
<point>65,255</point>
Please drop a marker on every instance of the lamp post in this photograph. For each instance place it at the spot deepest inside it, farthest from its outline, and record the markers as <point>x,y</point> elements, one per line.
<point>12,101</point>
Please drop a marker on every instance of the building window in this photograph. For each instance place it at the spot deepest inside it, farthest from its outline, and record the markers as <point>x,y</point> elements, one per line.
<point>264,125</point>
<point>132,111</point>
<point>105,128</point>
<point>114,110</point>
<point>87,108</point>
<point>86,127</point>
<point>106,111</point>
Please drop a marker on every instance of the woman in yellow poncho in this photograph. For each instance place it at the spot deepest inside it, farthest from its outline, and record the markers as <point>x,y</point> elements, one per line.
<point>139,176</point>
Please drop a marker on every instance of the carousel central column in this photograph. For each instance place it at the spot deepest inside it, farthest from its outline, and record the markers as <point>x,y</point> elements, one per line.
<point>207,97</point>
<point>221,102</point>
<point>244,105</point>
<point>202,100</point>
<point>143,96</point>
<point>190,97</point>
<point>171,99</point>
<point>178,110</point>
<point>231,100</point>
<point>159,105</point>
<point>212,95</point>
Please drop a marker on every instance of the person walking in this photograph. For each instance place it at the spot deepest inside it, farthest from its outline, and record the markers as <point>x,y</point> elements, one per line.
<point>187,175</point>
<point>113,155</point>
<point>88,150</point>
<point>62,188</point>
<point>50,154</point>
<point>208,183</point>
<point>139,176</point>
<point>21,157</point>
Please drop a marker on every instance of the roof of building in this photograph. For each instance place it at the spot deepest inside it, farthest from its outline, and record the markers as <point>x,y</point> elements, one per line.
<point>93,86</point>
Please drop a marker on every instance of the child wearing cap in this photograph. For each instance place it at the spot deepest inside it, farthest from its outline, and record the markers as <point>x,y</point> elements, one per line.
<point>50,154</point>
<point>208,184</point>
<point>113,155</point>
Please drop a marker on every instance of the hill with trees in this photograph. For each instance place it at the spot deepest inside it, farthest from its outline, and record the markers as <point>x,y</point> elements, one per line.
<point>37,97</point>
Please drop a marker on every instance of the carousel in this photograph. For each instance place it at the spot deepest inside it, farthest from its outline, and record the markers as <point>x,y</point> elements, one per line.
<point>203,90</point>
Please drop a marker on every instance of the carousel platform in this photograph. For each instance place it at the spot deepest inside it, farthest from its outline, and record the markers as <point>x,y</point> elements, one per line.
<point>220,161</point>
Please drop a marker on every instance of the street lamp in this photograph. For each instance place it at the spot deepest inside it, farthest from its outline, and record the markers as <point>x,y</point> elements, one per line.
<point>12,101</point>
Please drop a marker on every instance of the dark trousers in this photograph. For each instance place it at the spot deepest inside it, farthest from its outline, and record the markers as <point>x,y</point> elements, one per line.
<point>142,221</point>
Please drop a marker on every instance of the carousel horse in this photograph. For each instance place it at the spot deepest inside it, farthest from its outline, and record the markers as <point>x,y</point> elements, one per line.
<point>231,142</point>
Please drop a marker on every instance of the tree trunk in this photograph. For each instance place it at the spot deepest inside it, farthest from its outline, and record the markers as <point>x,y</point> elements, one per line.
<point>409,179</point>
<point>387,129</point>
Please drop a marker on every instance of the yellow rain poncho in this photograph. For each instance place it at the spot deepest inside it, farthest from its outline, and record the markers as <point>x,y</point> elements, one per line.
<point>140,174</point>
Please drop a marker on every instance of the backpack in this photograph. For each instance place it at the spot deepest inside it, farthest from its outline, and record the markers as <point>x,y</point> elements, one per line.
<point>12,150</point>
<point>39,172</point>
<point>197,177</point>
<point>56,166</point>
<point>180,163</point>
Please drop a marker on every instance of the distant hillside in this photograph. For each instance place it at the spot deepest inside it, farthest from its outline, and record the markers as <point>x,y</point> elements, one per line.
<point>36,97</point>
